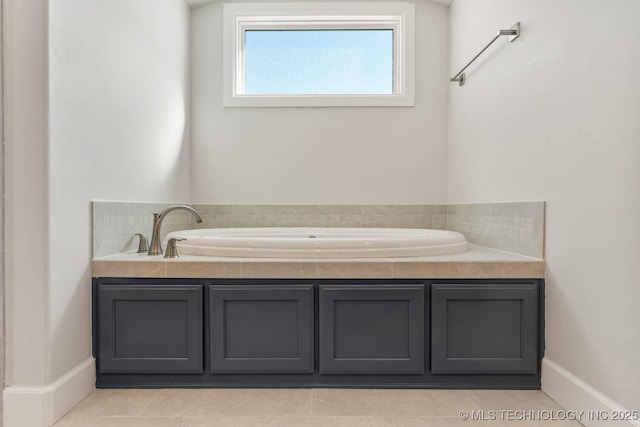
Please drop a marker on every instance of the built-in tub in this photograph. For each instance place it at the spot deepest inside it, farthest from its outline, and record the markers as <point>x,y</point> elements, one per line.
<point>293,242</point>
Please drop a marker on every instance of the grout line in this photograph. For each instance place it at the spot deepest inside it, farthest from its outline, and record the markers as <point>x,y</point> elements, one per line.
<point>475,402</point>
<point>311,405</point>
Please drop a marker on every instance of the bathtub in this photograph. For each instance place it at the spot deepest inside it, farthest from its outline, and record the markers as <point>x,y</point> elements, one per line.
<point>312,242</point>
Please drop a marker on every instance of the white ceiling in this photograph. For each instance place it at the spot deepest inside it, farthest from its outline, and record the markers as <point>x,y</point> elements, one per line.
<point>196,3</point>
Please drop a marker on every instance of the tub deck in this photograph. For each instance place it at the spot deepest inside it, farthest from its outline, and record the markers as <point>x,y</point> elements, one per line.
<point>478,262</point>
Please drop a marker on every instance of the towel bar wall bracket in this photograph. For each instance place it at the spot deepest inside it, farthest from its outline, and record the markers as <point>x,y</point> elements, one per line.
<point>513,33</point>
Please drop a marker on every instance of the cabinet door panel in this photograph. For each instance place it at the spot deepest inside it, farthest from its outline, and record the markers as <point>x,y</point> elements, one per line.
<point>484,328</point>
<point>261,328</point>
<point>371,329</point>
<point>150,329</point>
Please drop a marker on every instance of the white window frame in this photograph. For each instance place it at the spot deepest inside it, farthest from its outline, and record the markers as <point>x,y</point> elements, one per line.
<point>397,16</point>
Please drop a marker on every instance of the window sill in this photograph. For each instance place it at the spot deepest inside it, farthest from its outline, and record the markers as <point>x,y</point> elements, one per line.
<point>319,101</point>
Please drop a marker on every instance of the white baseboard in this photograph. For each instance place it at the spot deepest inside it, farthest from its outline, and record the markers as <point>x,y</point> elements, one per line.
<point>574,394</point>
<point>43,406</point>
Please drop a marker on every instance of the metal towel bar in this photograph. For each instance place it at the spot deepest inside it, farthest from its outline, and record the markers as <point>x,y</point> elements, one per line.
<point>513,33</point>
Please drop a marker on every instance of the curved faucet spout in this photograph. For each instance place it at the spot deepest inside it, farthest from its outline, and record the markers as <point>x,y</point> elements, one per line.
<point>155,247</point>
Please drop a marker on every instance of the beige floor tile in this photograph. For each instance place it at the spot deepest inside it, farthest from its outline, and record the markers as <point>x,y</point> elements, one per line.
<point>123,403</point>
<point>390,402</point>
<point>512,399</point>
<point>354,421</point>
<point>499,423</point>
<point>402,421</point>
<point>276,422</point>
<point>553,424</point>
<point>174,402</point>
<point>223,421</point>
<point>231,402</point>
<point>121,422</point>
<point>304,408</point>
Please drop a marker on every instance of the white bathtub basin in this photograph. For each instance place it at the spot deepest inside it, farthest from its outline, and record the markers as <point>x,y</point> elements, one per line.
<point>289,242</point>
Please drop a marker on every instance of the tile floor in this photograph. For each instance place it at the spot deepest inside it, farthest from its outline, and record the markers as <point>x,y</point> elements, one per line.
<point>304,408</point>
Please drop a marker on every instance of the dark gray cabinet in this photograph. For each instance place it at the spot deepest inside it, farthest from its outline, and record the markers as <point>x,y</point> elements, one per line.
<point>371,329</point>
<point>417,333</point>
<point>484,328</point>
<point>150,328</point>
<point>261,328</point>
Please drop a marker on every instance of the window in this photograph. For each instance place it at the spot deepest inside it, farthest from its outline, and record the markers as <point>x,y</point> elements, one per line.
<point>316,62</point>
<point>318,54</point>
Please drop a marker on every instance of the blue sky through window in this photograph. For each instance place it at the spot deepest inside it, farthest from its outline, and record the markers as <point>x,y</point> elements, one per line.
<point>318,62</point>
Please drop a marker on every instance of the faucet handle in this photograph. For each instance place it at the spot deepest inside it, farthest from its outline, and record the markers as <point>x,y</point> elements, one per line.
<point>172,250</point>
<point>143,246</point>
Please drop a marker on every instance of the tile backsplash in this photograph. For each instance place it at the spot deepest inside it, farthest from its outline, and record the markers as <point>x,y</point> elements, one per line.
<point>516,227</point>
<point>391,216</point>
<point>116,223</point>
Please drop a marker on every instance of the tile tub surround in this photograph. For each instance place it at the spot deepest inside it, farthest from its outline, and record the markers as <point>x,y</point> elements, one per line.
<point>115,223</point>
<point>516,227</point>
<point>381,216</point>
<point>477,263</point>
